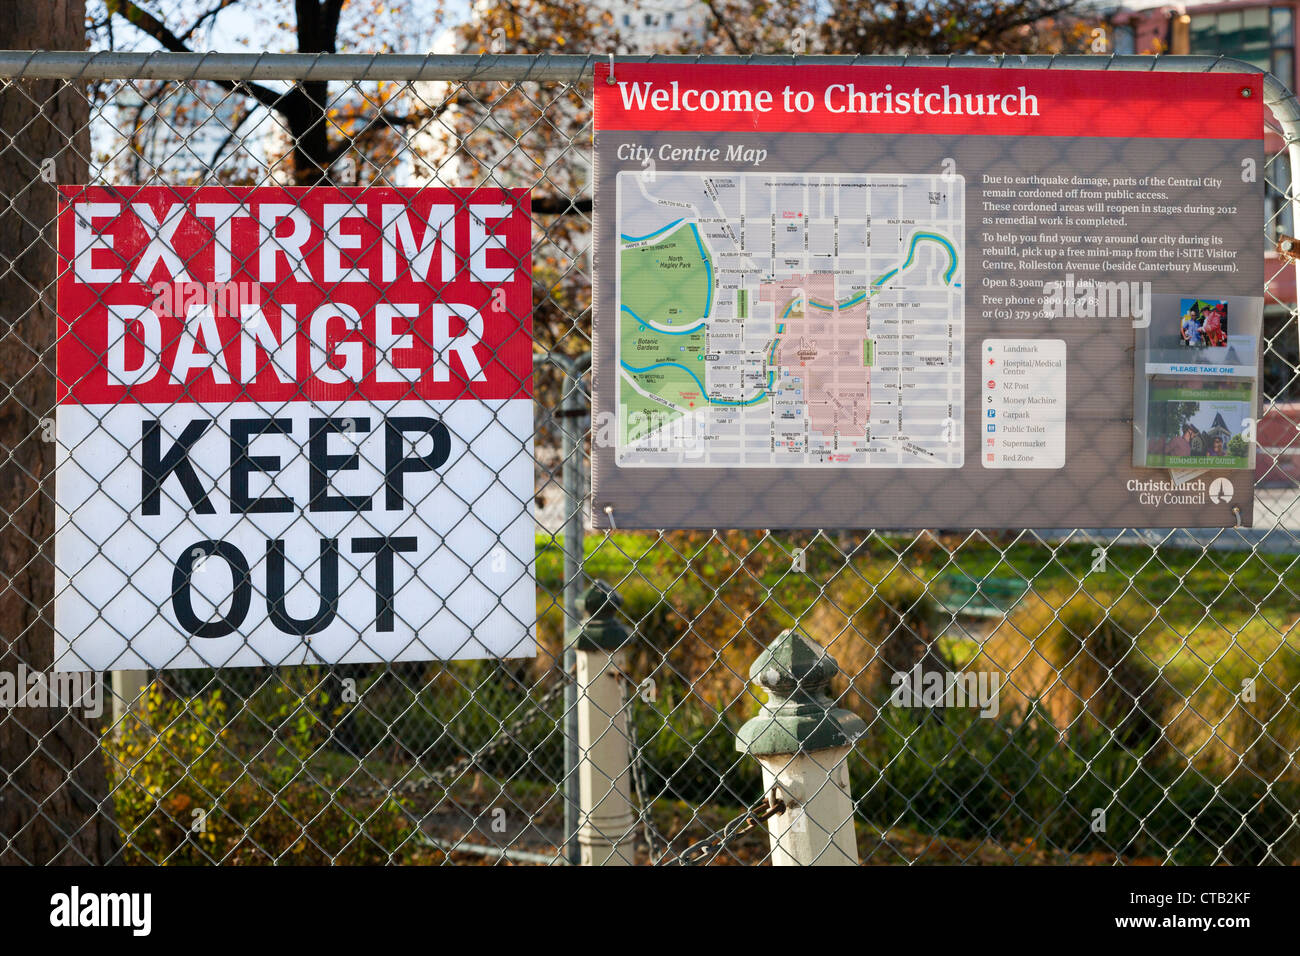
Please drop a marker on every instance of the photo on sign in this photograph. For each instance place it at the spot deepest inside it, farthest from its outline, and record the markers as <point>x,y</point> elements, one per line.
<point>1199,332</point>
<point>1204,324</point>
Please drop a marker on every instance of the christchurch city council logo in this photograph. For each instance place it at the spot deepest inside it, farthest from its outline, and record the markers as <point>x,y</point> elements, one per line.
<point>1220,490</point>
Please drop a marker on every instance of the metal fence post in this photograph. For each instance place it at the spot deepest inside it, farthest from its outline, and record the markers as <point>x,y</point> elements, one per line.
<point>573,425</point>
<point>573,412</point>
<point>803,741</point>
<point>606,834</point>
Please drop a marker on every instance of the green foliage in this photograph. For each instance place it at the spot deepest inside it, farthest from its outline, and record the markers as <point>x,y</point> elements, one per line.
<point>264,763</point>
<point>433,720</point>
<point>186,788</point>
<point>689,753</point>
<point>1024,781</point>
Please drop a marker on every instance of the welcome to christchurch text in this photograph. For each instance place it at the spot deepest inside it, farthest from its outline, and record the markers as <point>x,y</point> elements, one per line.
<point>837,98</point>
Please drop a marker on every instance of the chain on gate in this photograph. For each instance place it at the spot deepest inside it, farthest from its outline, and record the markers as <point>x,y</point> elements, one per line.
<point>701,852</point>
<point>705,851</point>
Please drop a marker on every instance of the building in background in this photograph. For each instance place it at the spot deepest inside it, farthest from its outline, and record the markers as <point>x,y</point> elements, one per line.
<point>1263,35</point>
<point>657,25</point>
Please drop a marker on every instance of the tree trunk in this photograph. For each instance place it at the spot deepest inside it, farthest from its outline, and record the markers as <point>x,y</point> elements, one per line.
<point>304,112</point>
<point>305,106</point>
<point>54,805</point>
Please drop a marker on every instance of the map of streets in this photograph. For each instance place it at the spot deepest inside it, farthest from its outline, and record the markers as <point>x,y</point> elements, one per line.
<point>790,319</point>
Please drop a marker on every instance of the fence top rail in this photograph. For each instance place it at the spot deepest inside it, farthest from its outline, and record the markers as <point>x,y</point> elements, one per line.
<point>568,67</point>
<point>555,67</point>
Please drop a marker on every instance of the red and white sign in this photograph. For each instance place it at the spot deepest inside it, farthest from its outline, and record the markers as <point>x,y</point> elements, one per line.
<point>294,426</point>
<point>929,100</point>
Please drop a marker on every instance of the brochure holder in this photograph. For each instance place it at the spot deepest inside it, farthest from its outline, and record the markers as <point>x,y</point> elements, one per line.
<point>1196,384</point>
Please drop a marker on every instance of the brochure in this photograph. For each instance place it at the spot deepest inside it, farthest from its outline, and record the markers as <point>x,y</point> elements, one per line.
<point>1199,423</point>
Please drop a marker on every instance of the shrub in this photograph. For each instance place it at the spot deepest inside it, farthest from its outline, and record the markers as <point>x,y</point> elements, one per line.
<point>1025,781</point>
<point>877,629</point>
<point>1082,657</point>
<point>187,791</point>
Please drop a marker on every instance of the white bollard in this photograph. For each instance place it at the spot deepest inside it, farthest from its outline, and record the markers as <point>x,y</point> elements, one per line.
<point>817,829</point>
<point>802,740</point>
<point>607,823</point>
<point>127,688</point>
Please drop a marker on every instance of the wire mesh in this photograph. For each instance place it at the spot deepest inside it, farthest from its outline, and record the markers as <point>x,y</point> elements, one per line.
<point>1146,710</point>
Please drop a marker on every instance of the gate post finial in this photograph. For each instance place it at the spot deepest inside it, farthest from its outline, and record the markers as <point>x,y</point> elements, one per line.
<point>802,740</point>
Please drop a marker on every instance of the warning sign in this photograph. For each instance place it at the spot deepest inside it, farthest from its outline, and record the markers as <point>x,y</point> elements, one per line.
<point>294,426</point>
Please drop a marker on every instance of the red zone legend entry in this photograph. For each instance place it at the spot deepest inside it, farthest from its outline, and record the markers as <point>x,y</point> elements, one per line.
<point>294,426</point>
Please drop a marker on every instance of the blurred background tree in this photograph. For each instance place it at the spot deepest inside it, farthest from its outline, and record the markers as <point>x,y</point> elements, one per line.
<point>510,134</point>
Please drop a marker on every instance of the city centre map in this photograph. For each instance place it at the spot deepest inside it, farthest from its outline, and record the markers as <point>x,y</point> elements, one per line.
<point>790,319</point>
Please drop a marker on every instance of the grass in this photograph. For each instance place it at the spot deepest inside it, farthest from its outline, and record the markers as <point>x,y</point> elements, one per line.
<point>1218,617</point>
<point>1225,589</point>
<point>1207,626</point>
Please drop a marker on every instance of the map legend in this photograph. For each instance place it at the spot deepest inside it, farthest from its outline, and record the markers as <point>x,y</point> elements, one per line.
<point>1022,423</point>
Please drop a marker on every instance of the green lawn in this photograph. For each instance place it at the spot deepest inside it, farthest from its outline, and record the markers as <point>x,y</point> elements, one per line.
<point>1222,612</point>
<point>1190,586</point>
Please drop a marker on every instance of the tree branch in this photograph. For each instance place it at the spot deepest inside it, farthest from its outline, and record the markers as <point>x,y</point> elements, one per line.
<point>374,125</point>
<point>184,37</point>
<point>230,138</point>
<point>725,24</point>
<point>559,205</point>
<point>147,23</point>
<point>995,27</point>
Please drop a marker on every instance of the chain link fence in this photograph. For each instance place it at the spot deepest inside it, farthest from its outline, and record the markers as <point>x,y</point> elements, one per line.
<point>1147,708</point>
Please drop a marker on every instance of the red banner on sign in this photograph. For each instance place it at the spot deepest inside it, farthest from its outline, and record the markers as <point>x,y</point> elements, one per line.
<point>216,293</point>
<point>970,102</point>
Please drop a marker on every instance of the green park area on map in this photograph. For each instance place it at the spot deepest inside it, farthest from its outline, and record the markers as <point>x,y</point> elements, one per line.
<point>666,292</point>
